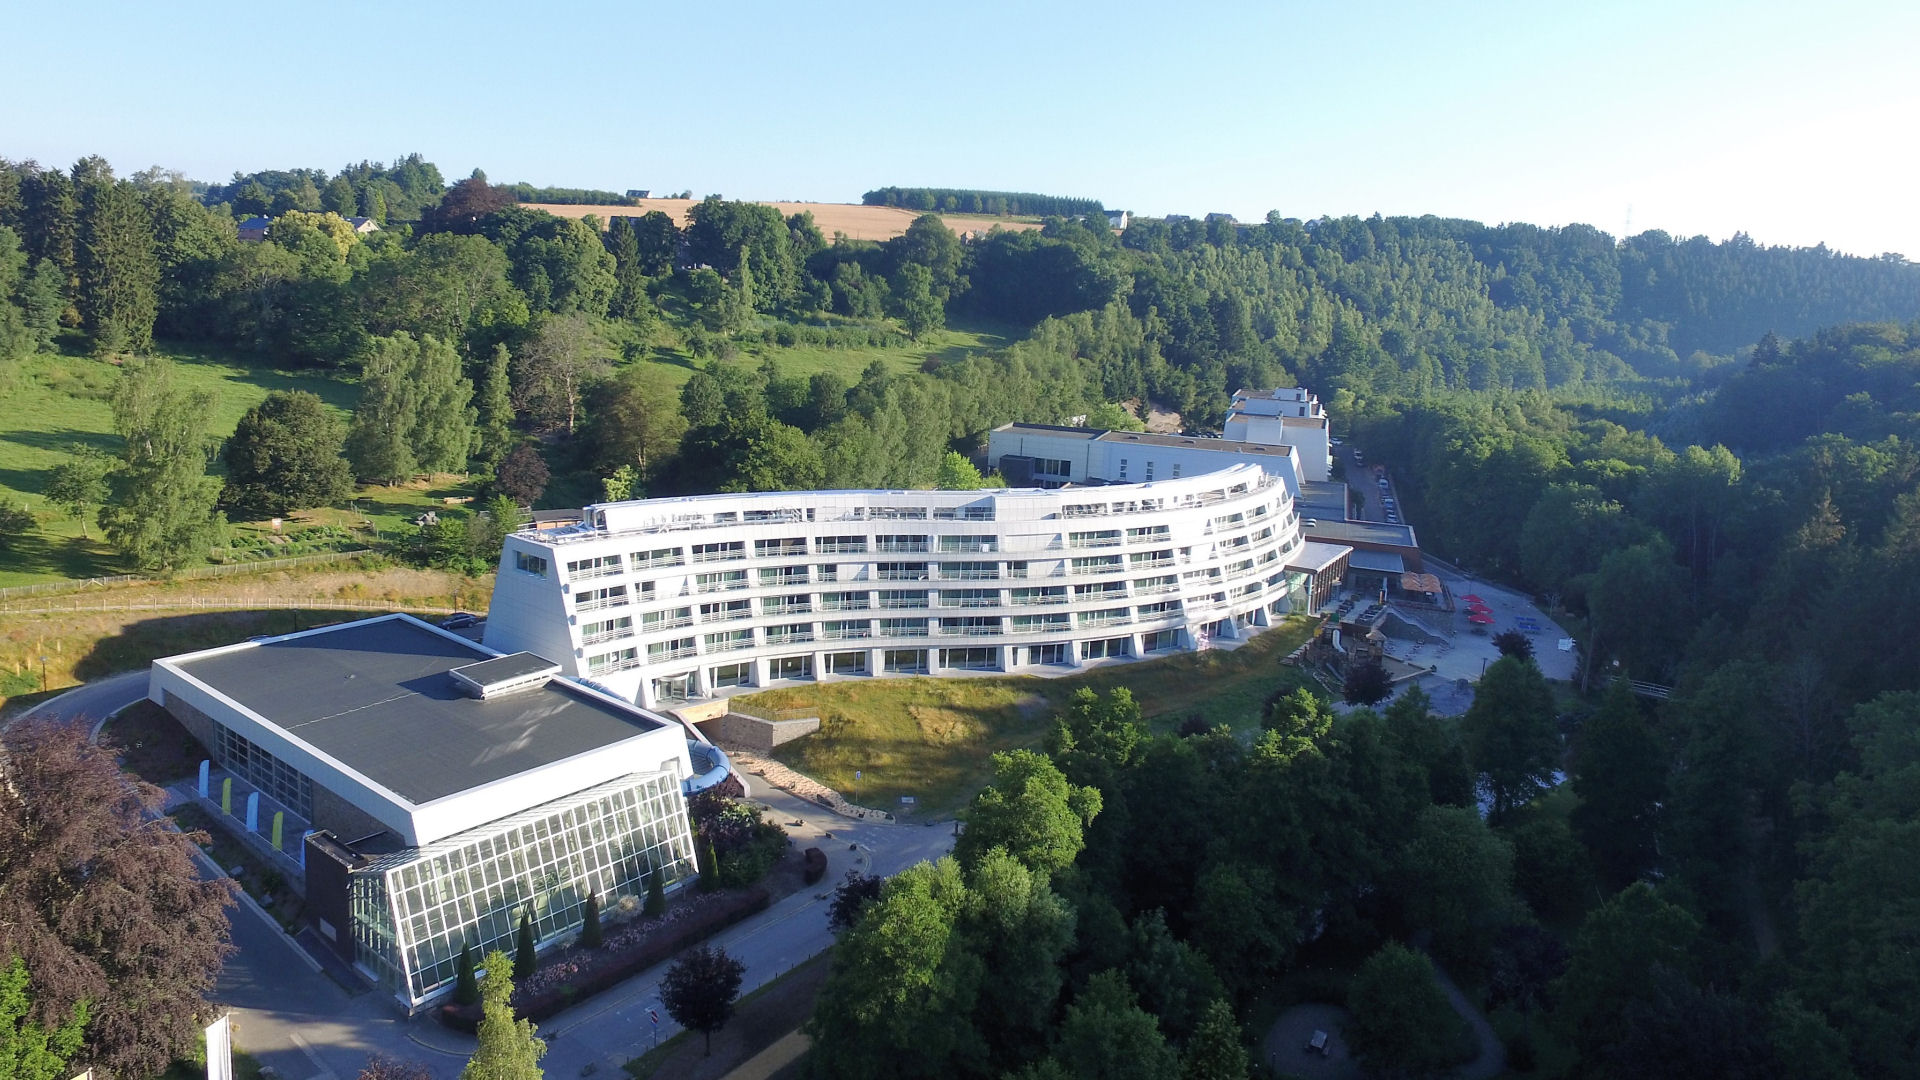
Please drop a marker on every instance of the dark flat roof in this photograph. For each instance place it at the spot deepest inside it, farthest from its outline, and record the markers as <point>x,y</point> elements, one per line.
<point>1372,532</point>
<point>507,668</point>
<point>376,697</point>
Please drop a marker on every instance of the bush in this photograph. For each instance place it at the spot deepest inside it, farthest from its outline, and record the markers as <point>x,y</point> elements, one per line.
<point>815,866</point>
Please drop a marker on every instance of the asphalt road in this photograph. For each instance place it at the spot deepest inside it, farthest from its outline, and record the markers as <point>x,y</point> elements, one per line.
<point>305,1026</point>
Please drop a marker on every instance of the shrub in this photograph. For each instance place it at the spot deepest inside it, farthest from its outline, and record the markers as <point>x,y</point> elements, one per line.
<point>815,866</point>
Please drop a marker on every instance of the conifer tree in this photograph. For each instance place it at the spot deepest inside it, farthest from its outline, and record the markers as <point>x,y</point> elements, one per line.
<point>442,430</point>
<point>378,443</point>
<point>591,934</point>
<point>466,982</point>
<point>526,956</point>
<point>656,905</point>
<point>119,271</point>
<point>493,432</point>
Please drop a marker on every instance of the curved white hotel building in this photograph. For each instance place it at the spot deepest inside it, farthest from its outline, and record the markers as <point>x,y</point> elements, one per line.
<point>669,601</point>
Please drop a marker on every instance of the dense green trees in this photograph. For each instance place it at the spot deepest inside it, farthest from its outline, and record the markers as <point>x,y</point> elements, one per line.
<point>285,455</point>
<point>1402,1023</point>
<point>415,412</point>
<point>506,1048</point>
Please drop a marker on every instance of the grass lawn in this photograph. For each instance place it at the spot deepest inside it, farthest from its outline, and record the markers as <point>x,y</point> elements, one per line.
<point>48,403</point>
<point>932,738</point>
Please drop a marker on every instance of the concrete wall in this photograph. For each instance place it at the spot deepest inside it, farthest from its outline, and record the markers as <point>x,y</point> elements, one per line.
<point>758,735</point>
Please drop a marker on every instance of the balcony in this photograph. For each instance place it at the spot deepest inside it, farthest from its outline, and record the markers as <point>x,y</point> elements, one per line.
<point>969,575</point>
<point>901,605</point>
<point>1157,590</point>
<point>720,586</point>
<point>789,637</point>
<point>981,602</point>
<point>728,555</point>
<point>683,653</point>
<point>843,549</point>
<point>776,581</point>
<point>903,631</point>
<point>773,610</point>
<point>903,575</point>
<point>1040,601</point>
<point>862,604</point>
<point>606,636</point>
<point>846,633</point>
<point>1103,568</point>
<point>1105,622</point>
<point>588,573</point>
<point>971,631</point>
<point>667,624</point>
<point>726,616</point>
<point>1150,564</point>
<point>730,645</point>
<point>656,563</point>
<point>920,548</point>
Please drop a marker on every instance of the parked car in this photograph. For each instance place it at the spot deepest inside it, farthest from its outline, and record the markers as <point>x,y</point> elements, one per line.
<point>459,620</point>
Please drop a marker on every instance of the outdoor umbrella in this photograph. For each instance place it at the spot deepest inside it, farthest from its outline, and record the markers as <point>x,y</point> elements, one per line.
<point>1479,609</point>
<point>1470,598</point>
<point>1480,618</point>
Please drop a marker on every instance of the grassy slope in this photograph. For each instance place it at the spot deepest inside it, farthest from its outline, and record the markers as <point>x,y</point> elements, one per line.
<point>50,402</point>
<point>932,738</point>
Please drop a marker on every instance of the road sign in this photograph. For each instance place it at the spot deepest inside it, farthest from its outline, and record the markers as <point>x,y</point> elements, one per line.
<point>654,1016</point>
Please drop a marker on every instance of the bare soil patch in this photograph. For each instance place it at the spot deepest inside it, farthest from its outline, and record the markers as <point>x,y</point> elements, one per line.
<point>762,1019</point>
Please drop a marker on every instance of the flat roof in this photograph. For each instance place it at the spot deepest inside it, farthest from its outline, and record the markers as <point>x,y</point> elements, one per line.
<point>1369,532</point>
<point>1322,499</point>
<point>376,696</point>
<point>1315,557</point>
<point>1195,442</point>
<point>1379,560</point>
<point>1054,429</point>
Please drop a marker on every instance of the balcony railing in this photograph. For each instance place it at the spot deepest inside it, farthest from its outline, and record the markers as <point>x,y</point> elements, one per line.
<point>884,548</point>
<point>1150,564</point>
<point>982,602</point>
<point>847,633</point>
<point>1103,568</point>
<point>726,616</point>
<point>792,637</point>
<point>667,624</point>
<point>971,631</point>
<point>670,654</point>
<point>903,575</point>
<point>1095,542</point>
<point>730,645</point>
<point>1101,624</point>
<point>843,549</point>
<point>862,604</point>
<point>721,586</point>
<point>1039,601</point>
<point>787,609</point>
<point>903,604</point>
<point>591,572</point>
<point>606,636</point>
<point>969,575</point>
<point>601,604</point>
<point>1157,590</point>
<point>719,556</point>
<point>903,631</point>
<point>654,564</point>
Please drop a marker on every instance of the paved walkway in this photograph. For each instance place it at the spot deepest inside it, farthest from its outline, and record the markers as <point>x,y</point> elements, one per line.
<point>801,787</point>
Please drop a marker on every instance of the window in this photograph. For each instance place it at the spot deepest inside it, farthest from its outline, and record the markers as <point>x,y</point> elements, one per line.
<point>1153,586</point>
<point>1176,470</point>
<point>797,604</point>
<point>529,564</point>
<point>905,661</point>
<point>666,620</point>
<point>618,660</point>
<point>730,640</point>
<point>846,630</point>
<point>1165,609</point>
<point>790,667</point>
<point>1097,539</point>
<point>726,610</point>
<point>1149,470</point>
<point>1097,564</point>
<point>720,581</point>
<point>1047,654</point>
<point>903,628</point>
<point>784,575</point>
<point>730,675</point>
<point>790,634</point>
<point>275,778</point>
<point>1041,624</point>
<point>1123,468</point>
<point>669,650</point>
<point>1060,467</point>
<point>1160,641</point>
<point>900,544</point>
<point>602,566</point>
<point>840,545</point>
<point>722,552</point>
<point>1147,535</point>
<point>643,560</point>
<point>1104,617</point>
<point>903,571</point>
<point>594,633</point>
<point>779,549</point>
<point>969,598</point>
<point>970,659</point>
<point>844,601</point>
<point>903,598</point>
<point>970,626</point>
<point>1100,591</point>
<point>969,571</point>
<point>595,599</point>
<point>847,663</point>
<point>969,543</point>
<point>1103,648</point>
<point>1040,594</point>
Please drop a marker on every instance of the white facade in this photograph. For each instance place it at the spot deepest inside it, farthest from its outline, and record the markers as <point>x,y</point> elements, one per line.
<point>1062,455</point>
<point>1289,415</point>
<point>671,600</point>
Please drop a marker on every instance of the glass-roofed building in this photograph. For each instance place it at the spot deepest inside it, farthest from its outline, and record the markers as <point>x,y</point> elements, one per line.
<point>443,789</point>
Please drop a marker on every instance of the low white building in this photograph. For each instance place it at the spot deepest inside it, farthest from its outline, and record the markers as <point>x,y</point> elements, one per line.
<point>1044,455</point>
<point>670,601</point>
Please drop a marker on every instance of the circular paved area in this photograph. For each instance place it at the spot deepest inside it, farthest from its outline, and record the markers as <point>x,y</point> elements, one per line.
<point>1286,1039</point>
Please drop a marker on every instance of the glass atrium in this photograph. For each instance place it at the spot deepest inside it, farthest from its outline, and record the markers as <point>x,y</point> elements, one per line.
<point>414,910</point>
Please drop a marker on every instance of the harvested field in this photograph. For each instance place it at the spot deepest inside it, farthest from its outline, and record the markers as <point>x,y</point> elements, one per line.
<point>854,221</point>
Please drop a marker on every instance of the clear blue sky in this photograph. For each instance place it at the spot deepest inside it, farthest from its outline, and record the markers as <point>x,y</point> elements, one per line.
<point>1795,122</point>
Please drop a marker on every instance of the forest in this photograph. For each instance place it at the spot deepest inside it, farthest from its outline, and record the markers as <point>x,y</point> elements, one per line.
<point>1700,454</point>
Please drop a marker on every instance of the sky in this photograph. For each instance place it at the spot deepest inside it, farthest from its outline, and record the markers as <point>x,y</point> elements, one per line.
<point>1793,122</point>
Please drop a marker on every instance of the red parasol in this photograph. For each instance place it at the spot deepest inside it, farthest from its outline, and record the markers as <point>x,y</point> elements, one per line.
<point>1470,598</point>
<point>1478,607</point>
<point>1480,618</point>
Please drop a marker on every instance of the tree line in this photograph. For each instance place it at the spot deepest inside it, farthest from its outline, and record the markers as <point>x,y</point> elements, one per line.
<point>975,201</point>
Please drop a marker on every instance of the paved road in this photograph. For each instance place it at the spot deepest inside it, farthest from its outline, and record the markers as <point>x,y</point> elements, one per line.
<point>298,1021</point>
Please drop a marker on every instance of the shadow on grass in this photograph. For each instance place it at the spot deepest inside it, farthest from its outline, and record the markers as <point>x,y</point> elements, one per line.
<point>58,557</point>
<point>140,643</point>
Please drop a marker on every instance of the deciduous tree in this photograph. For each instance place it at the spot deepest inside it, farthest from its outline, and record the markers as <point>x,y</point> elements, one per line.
<point>1031,811</point>
<point>28,1050</point>
<point>699,990</point>
<point>507,1048</point>
<point>162,508</point>
<point>285,455</point>
<point>1510,733</point>
<point>104,903</point>
<point>1401,1022</point>
<point>78,485</point>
